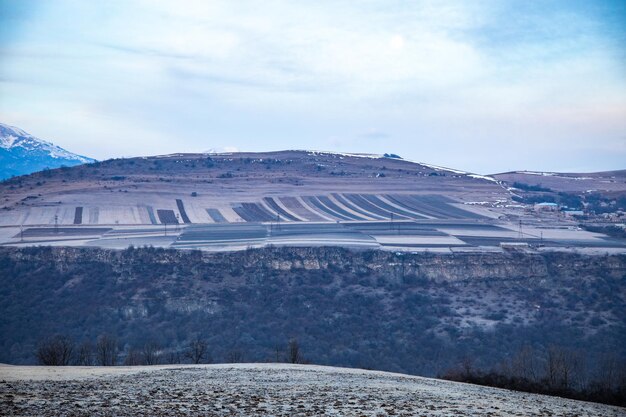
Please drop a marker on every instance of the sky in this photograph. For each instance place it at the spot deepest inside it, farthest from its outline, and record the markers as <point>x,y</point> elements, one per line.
<point>483,86</point>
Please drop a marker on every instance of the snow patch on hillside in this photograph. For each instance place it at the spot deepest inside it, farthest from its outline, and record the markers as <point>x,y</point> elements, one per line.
<point>431,166</point>
<point>483,177</point>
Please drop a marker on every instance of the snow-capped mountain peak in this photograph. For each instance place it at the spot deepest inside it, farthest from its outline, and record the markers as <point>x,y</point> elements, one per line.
<point>22,153</point>
<point>11,137</point>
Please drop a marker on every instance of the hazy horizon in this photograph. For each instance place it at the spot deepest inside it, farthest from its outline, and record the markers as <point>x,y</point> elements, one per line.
<point>485,87</point>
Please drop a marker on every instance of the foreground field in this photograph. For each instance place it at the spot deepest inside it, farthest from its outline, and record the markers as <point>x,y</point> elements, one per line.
<point>262,389</point>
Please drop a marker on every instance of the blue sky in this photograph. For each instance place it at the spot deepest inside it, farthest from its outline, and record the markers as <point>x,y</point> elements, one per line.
<point>483,86</point>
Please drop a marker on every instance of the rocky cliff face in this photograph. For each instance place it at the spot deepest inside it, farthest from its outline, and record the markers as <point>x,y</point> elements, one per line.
<point>394,266</point>
<point>397,311</point>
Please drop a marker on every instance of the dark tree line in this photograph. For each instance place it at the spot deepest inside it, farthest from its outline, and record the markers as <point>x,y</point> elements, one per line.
<point>557,371</point>
<point>61,350</point>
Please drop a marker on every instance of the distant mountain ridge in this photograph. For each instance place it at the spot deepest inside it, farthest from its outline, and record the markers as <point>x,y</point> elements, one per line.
<point>22,153</point>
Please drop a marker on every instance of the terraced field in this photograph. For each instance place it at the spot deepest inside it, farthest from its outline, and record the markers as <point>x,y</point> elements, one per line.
<point>167,216</point>
<point>290,186</point>
<point>343,207</point>
<point>332,208</point>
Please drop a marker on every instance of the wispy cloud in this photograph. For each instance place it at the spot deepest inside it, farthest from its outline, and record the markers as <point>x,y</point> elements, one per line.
<point>374,134</point>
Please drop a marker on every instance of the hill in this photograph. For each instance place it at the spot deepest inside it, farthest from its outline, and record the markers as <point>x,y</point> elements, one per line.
<point>240,200</point>
<point>596,193</point>
<point>604,182</point>
<point>420,313</point>
<point>22,153</point>
<point>228,187</point>
<point>262,390</point>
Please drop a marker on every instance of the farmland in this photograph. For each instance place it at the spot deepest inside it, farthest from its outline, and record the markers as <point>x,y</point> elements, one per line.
<point>235,201</point>
<point>290,186</point>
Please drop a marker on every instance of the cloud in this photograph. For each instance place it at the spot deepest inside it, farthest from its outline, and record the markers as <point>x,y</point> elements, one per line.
<point>443,81</point>
<point>374,134</point>
<point>223,149</point>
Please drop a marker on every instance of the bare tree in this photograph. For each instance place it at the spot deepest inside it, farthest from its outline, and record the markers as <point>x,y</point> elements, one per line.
<point>197,350</point>
<point>525,365</point>
<point>610,372</point>
<point>553,366</point>
<point>278,354</point>
<point>172,357</point>
<point>106,350</point>
<point>560,367</point>
<point>133,358</point>
<point>84,354</point>
<point>151,353</point>
<point>293,352</point>
<point>55,351</point>
<point>579,377</point>
<point>467,366</point>
<point>234,356</point>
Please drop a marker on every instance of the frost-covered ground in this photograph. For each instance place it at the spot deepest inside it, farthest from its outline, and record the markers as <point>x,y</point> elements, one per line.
<point>262,390</point>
